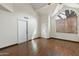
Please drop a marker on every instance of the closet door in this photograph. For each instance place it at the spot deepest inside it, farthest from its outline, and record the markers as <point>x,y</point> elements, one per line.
<point>22,31</point>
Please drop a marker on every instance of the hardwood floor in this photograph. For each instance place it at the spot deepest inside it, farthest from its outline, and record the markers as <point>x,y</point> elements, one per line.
<point>43,47</point>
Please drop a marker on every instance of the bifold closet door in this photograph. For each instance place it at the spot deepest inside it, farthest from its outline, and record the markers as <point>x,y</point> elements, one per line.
<point>22,31</point>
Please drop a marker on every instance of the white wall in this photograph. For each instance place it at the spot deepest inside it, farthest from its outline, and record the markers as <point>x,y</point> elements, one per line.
<point>44,19</point>
<point>39,26</point>
<point>8,29</point>
<point>44,26</point>
<point>8,23</point>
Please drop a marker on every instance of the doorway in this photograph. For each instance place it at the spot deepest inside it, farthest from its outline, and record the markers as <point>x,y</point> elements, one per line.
<point>22,31</point>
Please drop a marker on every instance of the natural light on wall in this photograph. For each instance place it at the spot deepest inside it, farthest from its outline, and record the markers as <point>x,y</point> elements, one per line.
<point>34,26</point>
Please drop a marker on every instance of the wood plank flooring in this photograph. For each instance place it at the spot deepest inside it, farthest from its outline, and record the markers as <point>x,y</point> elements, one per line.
<point>43,47</point>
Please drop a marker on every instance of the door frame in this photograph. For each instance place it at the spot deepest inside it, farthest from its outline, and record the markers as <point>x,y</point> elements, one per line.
<point>18,29</point>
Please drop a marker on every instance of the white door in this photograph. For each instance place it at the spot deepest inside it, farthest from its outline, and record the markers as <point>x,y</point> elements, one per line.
<point>22,29</point>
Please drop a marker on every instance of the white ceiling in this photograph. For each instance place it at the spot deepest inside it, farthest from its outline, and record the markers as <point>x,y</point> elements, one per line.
<point>37,6</point>
<point>43,8</point>
<point>73,5</point>
<point>6,7</point>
